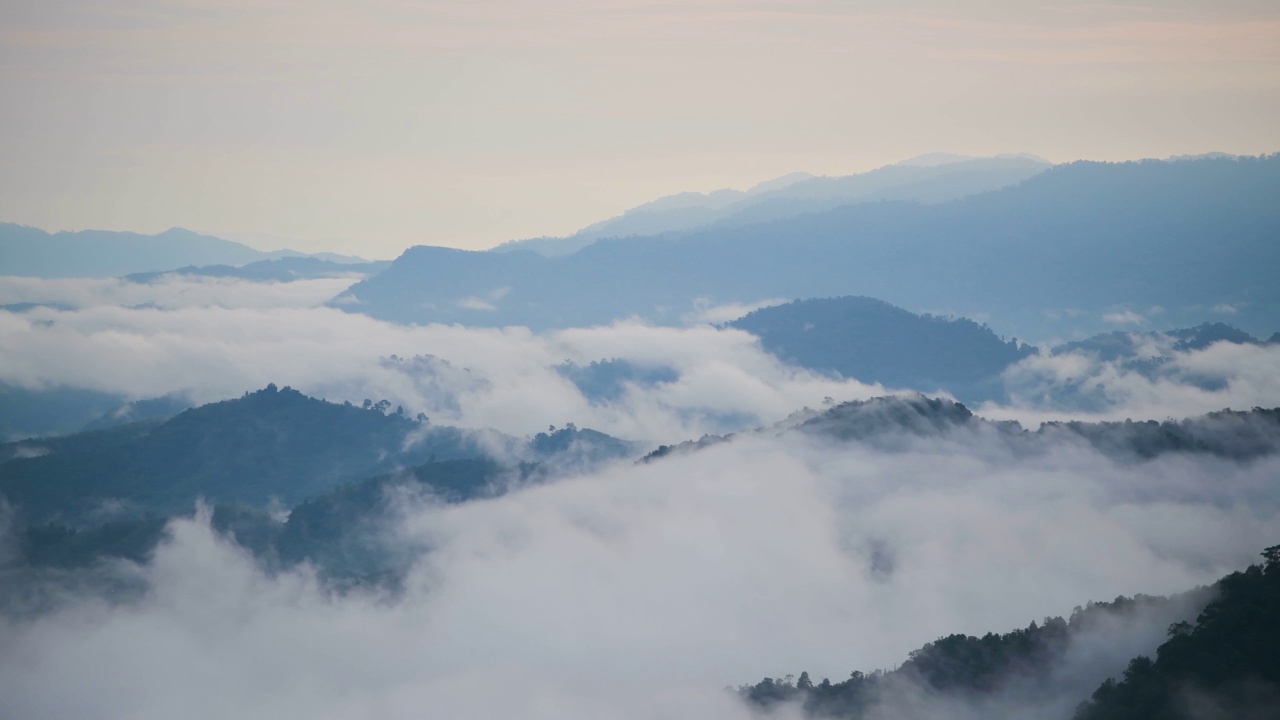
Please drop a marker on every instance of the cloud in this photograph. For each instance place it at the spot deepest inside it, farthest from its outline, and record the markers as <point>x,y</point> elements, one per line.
<point>637,590</point>
<point>1161,383</point>
<point>643,590</point>
<point>1128,317</point>
<point>170,292</point>
<point>705,312</point>
<point>216,339</point>
<point>194,339</point>
<point>475,303</point>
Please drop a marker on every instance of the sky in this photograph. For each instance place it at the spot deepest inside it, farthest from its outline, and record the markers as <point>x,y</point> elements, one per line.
<point>366,127</point>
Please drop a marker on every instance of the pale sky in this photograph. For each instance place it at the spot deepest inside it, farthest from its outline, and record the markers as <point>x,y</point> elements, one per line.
<point>368,126</point>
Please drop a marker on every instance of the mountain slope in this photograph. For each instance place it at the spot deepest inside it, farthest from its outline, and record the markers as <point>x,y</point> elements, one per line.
<point>1029,672</point>
<point>1223,665</point>
<point>268,446</point>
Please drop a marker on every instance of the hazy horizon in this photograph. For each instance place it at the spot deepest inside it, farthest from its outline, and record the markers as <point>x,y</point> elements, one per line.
<point>268,242</point>
<point>366,128</point>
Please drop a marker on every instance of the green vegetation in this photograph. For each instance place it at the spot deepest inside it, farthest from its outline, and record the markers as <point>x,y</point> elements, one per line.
<point>959,667</point>
<point>1225,665</point>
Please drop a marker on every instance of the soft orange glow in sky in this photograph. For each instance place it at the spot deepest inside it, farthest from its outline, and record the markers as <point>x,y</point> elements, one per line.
<point>368,126</point>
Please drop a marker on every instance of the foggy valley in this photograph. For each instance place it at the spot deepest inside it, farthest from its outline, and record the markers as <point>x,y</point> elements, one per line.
<point>790,361</point>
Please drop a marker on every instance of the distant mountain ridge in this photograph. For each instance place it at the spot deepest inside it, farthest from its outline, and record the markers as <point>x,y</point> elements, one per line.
<point>921,180</point>
<point>273,443</point>
<point>30,251</point>
<point>1061,254</point>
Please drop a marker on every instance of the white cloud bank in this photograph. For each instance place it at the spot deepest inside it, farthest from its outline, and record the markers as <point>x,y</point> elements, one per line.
<point>1162,383</point>
<point>217,340</point>
<point>212,339</point>
<point>636,592</point>
<point>642,591</point>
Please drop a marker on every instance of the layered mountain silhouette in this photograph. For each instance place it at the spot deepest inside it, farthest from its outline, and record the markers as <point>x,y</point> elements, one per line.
<point>30,251</point>
<point>1069,251</point>
<point>928,179</point>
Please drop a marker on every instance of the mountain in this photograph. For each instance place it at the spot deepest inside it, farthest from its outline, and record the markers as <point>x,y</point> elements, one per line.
<point>1027,672</point>
<point>796,194</point>
<point>340,527</point>
<point>108,493</point>
<point>270,446</point>
<point>875,342</point>
<point>1065,253</point>
<point>102,253</point>
<point>343,532</point>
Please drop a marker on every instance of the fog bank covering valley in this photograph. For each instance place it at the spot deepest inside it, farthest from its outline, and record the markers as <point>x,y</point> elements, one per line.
<point>984,438</point>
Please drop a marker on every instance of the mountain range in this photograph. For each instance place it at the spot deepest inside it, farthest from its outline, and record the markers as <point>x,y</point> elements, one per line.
<point>31,251</point>
<point>1074,250</point>
<point>927,179</point>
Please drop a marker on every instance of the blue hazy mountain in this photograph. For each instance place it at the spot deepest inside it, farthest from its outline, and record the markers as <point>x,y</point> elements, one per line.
<point>109,492</point>
<point>101,253</point>
<point>33,412</point>
<point>273,445</point>
<point>875,342</point>
<point>927,179</point>
<point>1049,256</point>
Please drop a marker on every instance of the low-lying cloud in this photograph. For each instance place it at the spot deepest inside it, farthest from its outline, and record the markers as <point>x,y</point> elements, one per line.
<point>210,339</point>
<point>170,292</point>
<point>642,590</point>
<point>1159,382</point>
<point>500,378</point>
